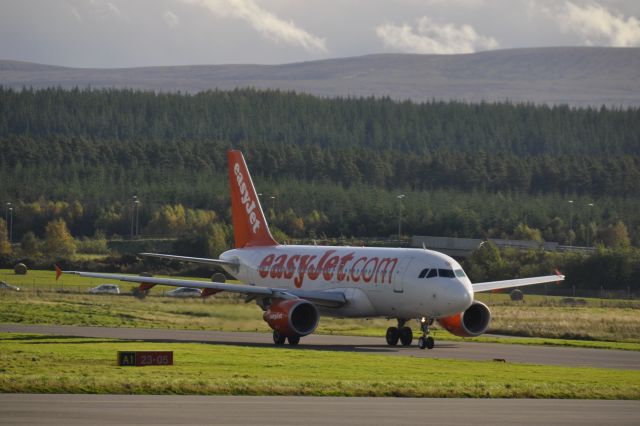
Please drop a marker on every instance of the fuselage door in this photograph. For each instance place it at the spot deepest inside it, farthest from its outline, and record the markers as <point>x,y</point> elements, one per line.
<point>398,279</point>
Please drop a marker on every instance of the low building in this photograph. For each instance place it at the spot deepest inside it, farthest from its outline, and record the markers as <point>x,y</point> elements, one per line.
<point>463,247</point>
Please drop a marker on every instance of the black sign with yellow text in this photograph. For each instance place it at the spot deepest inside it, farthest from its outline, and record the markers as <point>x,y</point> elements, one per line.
<point>142,358</point>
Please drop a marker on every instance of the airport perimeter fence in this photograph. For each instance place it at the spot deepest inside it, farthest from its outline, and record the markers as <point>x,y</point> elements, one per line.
<point>576,292</point>
<point>31,285</point>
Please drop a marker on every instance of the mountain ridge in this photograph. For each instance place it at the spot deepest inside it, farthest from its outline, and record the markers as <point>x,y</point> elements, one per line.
<point>577,76</point>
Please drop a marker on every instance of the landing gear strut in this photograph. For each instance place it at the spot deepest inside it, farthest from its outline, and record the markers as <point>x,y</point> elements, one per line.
<point>279,339</point>
<point>402,333</point>
<point>425,341</point>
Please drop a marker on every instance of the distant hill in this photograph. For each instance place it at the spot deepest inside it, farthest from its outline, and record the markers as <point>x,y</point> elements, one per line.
<point>579,76</point>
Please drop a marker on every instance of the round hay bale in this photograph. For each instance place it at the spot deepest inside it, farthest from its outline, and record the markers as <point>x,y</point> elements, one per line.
<point>218,277</point>
<point>516,295</point>
<point>20,269</point>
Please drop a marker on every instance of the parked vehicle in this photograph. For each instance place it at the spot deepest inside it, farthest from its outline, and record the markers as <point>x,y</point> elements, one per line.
<point>105,289</point>
<point>185,292</point>
<point>5,286</point>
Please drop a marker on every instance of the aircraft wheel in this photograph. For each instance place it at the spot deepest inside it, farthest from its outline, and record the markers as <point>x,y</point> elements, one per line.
<point>293,340</point>
<point>422,342</point>
<point>430,342</point>
<point>392,336</point>
<point>278,338</point>
<point>406,336</point>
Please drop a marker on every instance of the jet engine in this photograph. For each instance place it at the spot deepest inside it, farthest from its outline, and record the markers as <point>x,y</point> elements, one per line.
<point>292,317</point>
<point>470,323</point>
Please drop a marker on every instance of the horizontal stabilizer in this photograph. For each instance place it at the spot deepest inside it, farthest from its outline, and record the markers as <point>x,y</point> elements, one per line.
<point>204,260</point>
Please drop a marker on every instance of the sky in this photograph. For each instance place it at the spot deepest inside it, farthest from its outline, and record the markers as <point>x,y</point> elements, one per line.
<point>131,33</point>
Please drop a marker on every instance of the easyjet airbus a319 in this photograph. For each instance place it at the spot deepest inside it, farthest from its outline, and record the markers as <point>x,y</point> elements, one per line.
<point>295,285</point>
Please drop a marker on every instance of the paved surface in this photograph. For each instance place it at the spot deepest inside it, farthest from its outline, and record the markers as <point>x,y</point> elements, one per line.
<point>453,350</point>
<point>156,410</point>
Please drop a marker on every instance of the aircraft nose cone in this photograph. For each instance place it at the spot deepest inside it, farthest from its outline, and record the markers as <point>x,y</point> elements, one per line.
<point>461,296</point>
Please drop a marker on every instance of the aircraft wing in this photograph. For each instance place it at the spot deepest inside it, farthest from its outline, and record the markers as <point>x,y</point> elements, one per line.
<point>204,260</point>
<point>332,299</point>
<point>520,282</point>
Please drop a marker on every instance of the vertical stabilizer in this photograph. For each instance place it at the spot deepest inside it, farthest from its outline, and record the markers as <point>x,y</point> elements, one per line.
<point>250,227</point>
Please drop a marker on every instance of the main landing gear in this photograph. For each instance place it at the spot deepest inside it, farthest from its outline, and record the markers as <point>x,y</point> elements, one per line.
<point>402,333</point>
<point>405,335</point>
<point>279,339</point>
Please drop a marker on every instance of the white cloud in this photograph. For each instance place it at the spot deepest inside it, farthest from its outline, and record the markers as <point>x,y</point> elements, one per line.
<point>101,9</point>
<point>598,26</point>
<point>74,12</point>
<point>171,19</point>
<point>106,6</point>
<point>113,9</point>
<point>432,37</point>
<point>454,3</point>
<point>264,22</point>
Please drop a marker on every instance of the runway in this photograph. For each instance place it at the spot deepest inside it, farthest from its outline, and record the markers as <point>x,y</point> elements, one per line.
<point>530,354</point>
<point>278,411</point>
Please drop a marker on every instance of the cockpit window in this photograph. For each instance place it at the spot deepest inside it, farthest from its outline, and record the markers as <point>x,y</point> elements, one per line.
<point>446,273</point>
<point>459,273</point>
<point>423,273</point>
<point>432,273</point>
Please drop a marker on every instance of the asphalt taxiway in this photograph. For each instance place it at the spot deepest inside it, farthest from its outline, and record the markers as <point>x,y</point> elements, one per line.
<point>278,411</point>
<point>530,354</point>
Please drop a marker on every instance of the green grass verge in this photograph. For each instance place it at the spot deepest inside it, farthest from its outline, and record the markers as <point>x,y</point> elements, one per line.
<point>224,313</point>
<point>46,364</point>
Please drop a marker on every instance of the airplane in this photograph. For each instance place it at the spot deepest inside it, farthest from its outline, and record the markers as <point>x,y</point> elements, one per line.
<point>296,284</point>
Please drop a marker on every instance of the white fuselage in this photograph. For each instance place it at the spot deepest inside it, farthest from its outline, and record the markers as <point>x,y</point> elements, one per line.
<point>388,282</point>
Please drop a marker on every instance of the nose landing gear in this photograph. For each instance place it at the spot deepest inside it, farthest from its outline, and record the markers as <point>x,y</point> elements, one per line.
<point>425,341</point>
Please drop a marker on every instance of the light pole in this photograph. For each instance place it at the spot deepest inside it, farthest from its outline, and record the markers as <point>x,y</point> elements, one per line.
<point>273,204</point>
<point>134,200</point>
<point>6,218</point>
<point>137,204</point>
<point>590,205</point>
<point>400,197</point>
<point>10,225</point>
<point>570,223</point>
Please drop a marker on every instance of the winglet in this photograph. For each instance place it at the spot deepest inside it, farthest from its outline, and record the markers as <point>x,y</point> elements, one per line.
<point>249,224</point>
<point>58,271</point>
<point>558,273</point>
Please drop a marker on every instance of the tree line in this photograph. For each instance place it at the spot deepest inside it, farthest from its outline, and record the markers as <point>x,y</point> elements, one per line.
<point>325,167</point>
<point>616,268</point>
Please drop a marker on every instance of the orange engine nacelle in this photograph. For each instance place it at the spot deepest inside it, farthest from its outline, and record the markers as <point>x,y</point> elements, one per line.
<point>293,317</point>
<point>472,322</point>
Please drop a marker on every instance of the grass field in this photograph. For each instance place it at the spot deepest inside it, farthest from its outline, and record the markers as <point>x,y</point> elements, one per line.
<point>599,323</point>
<point>34,363</point>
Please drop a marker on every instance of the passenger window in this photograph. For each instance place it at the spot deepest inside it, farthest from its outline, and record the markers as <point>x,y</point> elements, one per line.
<point>432,273</point>
<point>423,273</point>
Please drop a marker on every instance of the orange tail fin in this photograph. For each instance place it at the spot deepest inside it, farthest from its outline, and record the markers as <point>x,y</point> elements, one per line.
<point>250,227</point>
